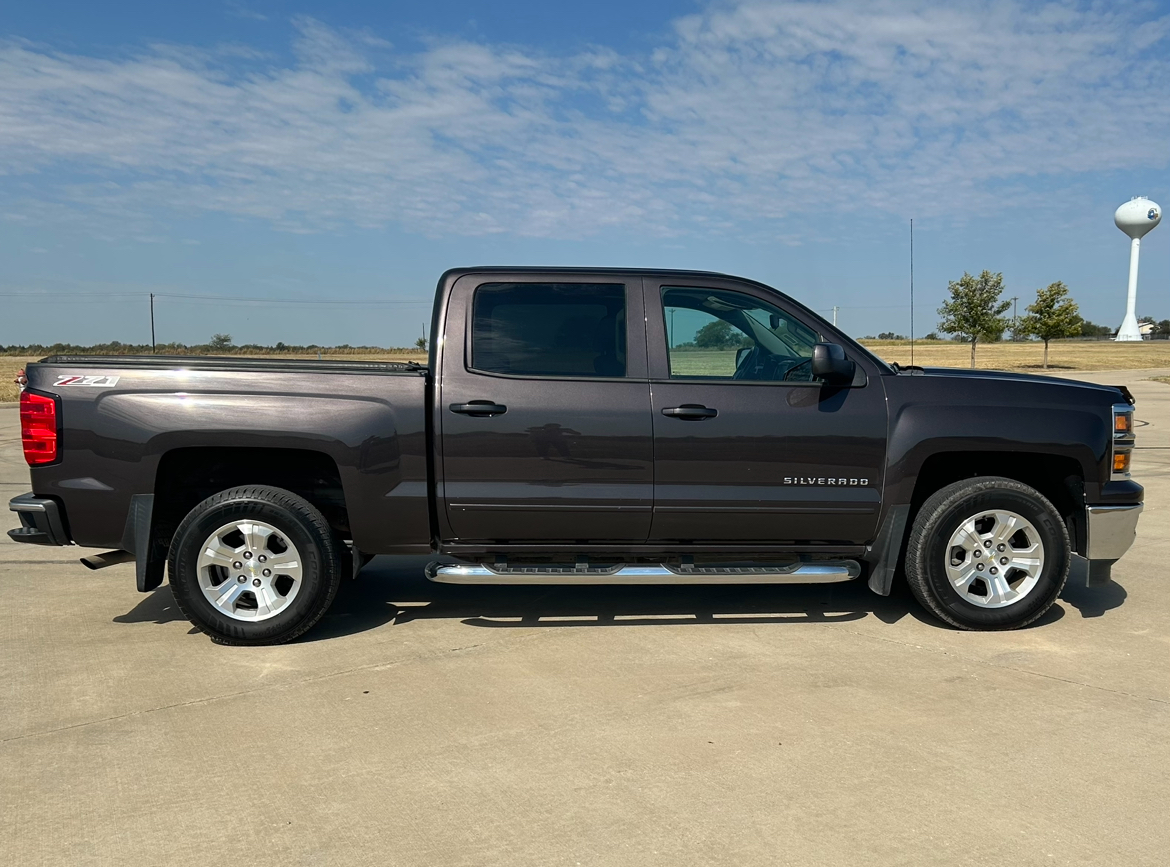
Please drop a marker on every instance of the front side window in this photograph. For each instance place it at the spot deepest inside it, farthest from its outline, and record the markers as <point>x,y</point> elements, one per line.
<point>549,329</point>
<point>715,334</point>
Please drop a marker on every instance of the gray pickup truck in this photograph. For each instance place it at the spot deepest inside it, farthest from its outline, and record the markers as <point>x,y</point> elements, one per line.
<point>582,426</point>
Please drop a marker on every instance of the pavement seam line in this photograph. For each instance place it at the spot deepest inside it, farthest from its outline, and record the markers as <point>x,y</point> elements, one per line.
<point>373,666</point>
<point>989,664</point>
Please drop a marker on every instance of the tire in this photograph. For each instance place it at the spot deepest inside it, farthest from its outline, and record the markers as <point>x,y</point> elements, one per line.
<point>949,542</point>
<point>220,558</point>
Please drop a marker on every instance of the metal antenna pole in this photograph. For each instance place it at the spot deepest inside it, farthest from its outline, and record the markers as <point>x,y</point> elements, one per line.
<point>153,347</point>
<point>912,291</point>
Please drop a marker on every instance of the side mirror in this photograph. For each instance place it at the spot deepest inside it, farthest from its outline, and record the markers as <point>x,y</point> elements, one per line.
<point>830,365</point>
<point>740,354</point>
<point>774,321</point>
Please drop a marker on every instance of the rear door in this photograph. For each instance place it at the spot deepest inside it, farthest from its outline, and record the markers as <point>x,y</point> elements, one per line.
<point>545,410</point>
<point>748,447</point>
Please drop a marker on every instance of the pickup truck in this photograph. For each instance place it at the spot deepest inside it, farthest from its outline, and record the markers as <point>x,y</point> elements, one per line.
<point>582,426</point>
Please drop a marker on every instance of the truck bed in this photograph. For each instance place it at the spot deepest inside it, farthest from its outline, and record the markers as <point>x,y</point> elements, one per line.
<point>354,432</point>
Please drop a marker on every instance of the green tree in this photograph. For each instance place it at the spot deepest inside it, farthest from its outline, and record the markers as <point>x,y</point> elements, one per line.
<point>1092,329</point>
<point>974,311</point>
<point>1164,326</point>
<point>1052,315</point>
<point>421,343</point>
<point>716,335</point>
<point>220,341</point>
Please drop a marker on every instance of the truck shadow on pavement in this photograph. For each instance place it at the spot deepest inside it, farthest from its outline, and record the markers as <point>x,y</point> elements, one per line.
<point>393,590</point>
<point>1093,601</point>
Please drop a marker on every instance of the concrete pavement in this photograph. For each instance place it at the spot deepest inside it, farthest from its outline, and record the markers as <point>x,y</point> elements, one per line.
<point>439,725</point>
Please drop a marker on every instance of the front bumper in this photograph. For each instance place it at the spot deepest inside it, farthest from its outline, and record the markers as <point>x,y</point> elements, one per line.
<point>1110,530</point>
<point>40,521</point>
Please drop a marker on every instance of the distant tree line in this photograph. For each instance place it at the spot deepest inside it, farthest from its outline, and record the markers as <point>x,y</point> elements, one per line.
<point>219,344</point>
<point>717,335</point>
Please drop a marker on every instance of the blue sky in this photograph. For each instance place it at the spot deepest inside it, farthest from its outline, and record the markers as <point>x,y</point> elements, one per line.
<point>350,151</point>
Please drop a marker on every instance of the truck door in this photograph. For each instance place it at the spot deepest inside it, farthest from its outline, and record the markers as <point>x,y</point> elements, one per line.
<point>545,410</point>
<point>748,448</point>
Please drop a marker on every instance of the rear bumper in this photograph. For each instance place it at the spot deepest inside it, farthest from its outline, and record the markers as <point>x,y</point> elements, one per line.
<point>40,521</point>
<point>1111,530</point>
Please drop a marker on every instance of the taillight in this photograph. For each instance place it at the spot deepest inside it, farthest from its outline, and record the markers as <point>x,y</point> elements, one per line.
<point>38,428</point>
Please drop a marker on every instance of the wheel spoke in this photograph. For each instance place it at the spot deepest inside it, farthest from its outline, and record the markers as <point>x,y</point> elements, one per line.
<point>962,576</point>
<point>268,601</point>
<point>285,563</point>
<point>967,537</point>
<point>216,553</point>
<point>1006,526</point>
<point>256,535</point>
<point>229,594</point>
<point>1031,565</point>
<point>999,592</point>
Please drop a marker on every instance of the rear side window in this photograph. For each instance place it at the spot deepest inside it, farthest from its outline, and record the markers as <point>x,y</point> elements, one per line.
<point>549,329</point>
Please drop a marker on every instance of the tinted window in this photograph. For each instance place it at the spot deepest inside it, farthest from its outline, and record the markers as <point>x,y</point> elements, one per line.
<point>549,329</point>
<point>728,335</point>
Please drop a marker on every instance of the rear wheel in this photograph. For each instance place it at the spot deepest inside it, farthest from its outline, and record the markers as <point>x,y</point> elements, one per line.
<point>987,553</point>
<point>254,565</point>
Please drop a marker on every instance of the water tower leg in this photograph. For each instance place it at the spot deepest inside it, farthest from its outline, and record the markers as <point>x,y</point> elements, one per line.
<point>1129,325</point>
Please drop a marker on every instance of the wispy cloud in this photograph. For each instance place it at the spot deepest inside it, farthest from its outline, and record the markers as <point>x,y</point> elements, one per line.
<point>239,10</point>
<point>746,116</point>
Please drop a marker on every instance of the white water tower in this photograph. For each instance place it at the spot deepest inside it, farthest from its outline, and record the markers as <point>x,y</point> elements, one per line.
<point>1136,218</point>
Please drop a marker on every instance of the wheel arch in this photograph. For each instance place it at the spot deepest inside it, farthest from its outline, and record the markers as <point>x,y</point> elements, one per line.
<point>186,476</point>
<point>1060,478</point>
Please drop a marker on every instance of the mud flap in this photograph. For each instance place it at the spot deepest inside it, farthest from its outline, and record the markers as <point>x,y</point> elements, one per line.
<point>149,561</point>
<point>883,554</point>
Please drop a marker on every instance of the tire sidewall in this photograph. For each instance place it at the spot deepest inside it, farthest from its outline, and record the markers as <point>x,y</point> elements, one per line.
<point>1052,534</point>
<point>185,574</point>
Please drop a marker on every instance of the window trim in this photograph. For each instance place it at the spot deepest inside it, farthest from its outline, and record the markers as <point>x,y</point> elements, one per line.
<point>629,287</point>
<point>664,287</point>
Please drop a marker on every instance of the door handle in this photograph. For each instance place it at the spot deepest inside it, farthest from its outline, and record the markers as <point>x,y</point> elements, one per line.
<point>479,408</point>
<point>690,412</point>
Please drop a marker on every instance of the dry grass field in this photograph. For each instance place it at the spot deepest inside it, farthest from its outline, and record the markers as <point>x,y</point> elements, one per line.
<point>10,365</point>
<point>1029,356</point>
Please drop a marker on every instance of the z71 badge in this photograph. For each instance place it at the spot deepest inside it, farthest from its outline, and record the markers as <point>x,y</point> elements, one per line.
<point>94,381</point>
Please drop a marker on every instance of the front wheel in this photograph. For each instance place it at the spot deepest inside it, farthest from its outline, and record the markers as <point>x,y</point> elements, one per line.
<point>254,565</point>
<point>987,553</point>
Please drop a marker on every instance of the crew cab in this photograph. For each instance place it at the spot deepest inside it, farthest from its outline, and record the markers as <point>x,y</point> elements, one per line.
<point>582,426</point>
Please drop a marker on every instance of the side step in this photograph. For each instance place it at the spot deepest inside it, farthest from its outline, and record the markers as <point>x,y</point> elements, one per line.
<point>820,572</point>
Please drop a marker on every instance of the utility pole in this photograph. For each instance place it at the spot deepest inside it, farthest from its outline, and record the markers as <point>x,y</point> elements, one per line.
<point>911,291</point>
<point>670,339</point>
<point>1015,319</point>
<point>153,347</point>
<point>835,309</point>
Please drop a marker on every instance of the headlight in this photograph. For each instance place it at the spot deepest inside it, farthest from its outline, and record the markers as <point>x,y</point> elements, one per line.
<point>1123,440</point>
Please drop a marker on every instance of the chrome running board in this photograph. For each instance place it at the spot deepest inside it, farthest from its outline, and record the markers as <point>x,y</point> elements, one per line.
<point>821,572</point>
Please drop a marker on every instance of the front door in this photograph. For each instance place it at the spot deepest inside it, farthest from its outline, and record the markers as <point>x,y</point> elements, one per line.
<point>748,447</point>
<point>545,411</point>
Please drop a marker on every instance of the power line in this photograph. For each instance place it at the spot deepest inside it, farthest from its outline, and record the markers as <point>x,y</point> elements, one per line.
<point>231,298</point>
